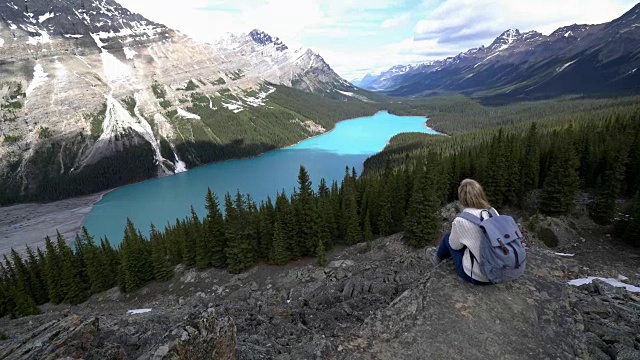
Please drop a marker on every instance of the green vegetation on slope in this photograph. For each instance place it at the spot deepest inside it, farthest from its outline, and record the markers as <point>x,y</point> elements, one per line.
<point>553,161</point>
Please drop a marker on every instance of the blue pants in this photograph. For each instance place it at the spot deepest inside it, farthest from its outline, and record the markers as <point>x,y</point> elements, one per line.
<point>445,251</point>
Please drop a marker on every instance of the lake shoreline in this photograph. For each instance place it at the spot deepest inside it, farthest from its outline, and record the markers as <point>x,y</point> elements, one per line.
<point>70,214</point>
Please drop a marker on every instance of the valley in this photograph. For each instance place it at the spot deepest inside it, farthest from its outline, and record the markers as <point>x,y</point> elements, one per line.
<point>224,193</point>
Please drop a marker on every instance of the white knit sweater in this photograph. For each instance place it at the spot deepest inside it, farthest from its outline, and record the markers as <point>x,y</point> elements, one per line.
<point>465,233</point>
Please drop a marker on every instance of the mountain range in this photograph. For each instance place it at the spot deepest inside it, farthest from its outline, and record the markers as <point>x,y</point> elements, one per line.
<point>575,59</point>
<point>86,86</point>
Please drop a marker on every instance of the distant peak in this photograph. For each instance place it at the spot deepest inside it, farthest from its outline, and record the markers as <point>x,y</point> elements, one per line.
<point>505,39</point>
<point>570,30</point>
<point>262,38</point>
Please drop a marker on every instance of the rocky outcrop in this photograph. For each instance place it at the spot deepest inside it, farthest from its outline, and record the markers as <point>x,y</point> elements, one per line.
<point>383,302</point>
<point>202,336</point>
<point>209,338</point>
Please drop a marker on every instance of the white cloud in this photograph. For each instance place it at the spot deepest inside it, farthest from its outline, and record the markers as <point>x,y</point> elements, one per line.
<point>456,20</point>
<point>354,35</point>
<point>396,21</point>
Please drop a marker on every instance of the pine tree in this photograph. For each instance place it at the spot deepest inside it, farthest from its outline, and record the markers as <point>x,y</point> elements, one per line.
<point>215,231</point>
<point>561,184</point>
<point>162,269</point>
<point>422,224</point>
<point>53,273</point>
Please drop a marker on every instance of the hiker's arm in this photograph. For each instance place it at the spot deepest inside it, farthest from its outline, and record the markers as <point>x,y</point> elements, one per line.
<point>457,233</point>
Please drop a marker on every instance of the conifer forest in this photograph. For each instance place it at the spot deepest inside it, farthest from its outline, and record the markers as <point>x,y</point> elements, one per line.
<point>538,164</point>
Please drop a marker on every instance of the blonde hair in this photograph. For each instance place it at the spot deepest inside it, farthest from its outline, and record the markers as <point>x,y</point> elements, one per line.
<point>471,195</point>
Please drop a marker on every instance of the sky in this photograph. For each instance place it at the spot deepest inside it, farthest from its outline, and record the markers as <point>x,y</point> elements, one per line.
<point>357,37</point>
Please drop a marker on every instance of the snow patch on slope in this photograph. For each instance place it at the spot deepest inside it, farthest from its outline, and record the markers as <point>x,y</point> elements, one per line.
<point>43,18</point>
<point>610,281</point>
<point>186,114</point>
<point>1,42</point>
<point>565,66</point>
<point>77,36</point>
<point>138,311</point>
<point>129,53</point>
<point>44,38</point>
<point>346,93</point>
<point>39,78</point>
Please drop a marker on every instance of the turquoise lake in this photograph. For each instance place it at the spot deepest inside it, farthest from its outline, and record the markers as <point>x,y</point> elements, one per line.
<point>162,200</point>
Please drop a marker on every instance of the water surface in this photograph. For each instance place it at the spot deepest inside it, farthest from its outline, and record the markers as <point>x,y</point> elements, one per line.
<point>162,200</point>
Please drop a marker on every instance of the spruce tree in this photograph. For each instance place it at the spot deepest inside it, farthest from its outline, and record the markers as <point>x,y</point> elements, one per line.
<point>162,269</point>
<point>22,276</point>
<point>279,254</point>
<point>240,252</point>
<point>561,184</point>
<point>53,273</point>
<point>367,232</point>
<point>136,266</point>
<point>36,277</point>
<point>305,214</point>
<point>497,170</point>
<point>24,303</point>
<point>422,224</point>
<point>202,245</point>
<point>75,291</point>
<point>192,231</point>
<point>98,269</point>
<point>353,231</point>
<point>111,259</point>
<point>321,253</point>
<point>385,217</point>
<point>215,231</point>
<point>610,185</point>
<point>267,226</point>
<point>530,165</point>
<point>325,223</point>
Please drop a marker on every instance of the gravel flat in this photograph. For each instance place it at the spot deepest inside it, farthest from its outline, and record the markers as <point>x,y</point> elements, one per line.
<point>28,224</point>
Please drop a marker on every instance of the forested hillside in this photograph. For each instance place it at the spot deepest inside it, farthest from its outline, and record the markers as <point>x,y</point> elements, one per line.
<point>540,165</point>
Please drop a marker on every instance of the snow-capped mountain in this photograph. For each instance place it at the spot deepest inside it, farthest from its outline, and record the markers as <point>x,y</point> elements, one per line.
<point>89,79</point>
<point>575,59</point>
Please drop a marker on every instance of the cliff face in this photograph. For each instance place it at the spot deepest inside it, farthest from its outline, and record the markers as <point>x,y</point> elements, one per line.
<point>86,80</point>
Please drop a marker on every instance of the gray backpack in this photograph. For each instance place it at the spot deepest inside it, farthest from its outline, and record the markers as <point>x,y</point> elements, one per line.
<point>502,255</point>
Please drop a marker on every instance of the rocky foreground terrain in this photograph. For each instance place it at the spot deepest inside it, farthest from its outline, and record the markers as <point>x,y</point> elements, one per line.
<point>387,302</point>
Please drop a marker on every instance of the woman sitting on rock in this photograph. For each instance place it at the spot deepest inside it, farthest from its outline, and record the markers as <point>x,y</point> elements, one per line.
<point>462,245</point>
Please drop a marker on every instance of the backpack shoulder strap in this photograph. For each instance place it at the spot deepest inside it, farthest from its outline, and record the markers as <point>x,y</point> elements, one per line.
<point>493,212</point>
<point>470,217</point>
